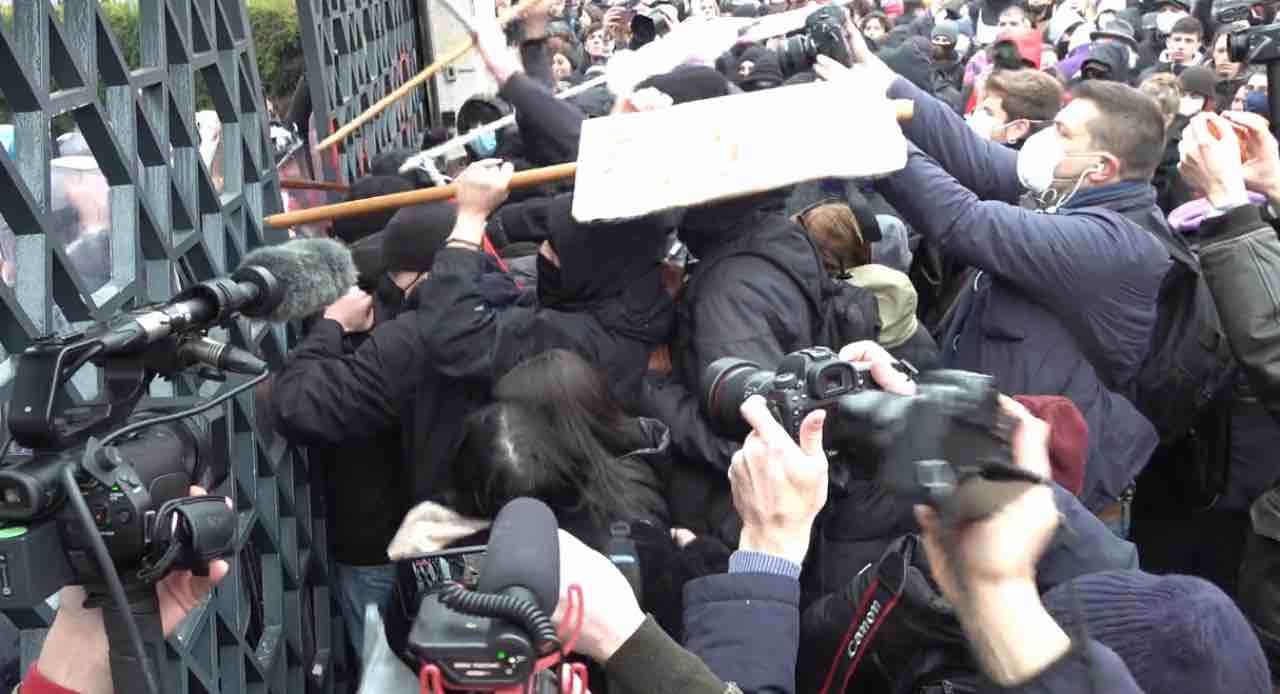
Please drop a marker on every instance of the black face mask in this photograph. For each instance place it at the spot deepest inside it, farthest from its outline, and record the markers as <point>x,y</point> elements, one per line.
<point>389,293</point>
<point>550,282</point>
<point>940,53</point>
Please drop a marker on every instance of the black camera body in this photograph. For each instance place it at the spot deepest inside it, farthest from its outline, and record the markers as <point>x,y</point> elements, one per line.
<point>1259,44</point>
<point>948,446</point>
<point>806,380</point>
<point>472,652</point>
<point>1232,11</point>
<point>824,34</point>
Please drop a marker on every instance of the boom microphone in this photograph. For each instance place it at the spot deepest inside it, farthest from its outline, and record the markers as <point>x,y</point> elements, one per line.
<point>523,555</point>
<point>279,283</point>
<point>313,273</point>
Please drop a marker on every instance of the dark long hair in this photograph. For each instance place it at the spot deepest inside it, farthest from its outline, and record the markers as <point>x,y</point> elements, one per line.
<point>557,433</point>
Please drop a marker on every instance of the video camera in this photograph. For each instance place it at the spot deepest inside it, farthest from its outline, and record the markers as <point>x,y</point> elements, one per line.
<point>96,492</point>
<point>1259,43</point>
<point>481,616</point>
<point>948,446</point>
<point>824,33</point>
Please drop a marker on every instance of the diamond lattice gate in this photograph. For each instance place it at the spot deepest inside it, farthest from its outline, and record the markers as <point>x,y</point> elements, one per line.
<point>357,52</point>
<point>131,213</point>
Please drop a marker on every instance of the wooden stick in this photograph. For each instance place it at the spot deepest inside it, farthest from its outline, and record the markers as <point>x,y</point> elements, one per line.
<point>453,54</point>
<point>522,179</point>
<point>305,184</point>
<point>905,110</point>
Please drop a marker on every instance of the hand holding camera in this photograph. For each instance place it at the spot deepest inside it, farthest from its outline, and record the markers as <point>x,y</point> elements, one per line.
<point>778,486</point>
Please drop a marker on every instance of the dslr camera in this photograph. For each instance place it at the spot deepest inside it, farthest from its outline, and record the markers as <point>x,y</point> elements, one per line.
<point>948,446</point>
<point>1255,44</point>
<point>823,34</point>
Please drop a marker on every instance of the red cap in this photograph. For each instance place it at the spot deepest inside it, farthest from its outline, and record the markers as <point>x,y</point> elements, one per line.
<point>1068,437</point>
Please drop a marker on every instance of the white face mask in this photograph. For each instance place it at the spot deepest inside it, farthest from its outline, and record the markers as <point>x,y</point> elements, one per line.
<point>1038,165</point>
<point>1191,105</point>
<point>981,123</point>
<point>1038,160</point>
<point>1166,20</point>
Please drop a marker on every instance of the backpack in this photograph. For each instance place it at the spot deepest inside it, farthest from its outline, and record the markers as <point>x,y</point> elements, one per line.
<point>846,313</point>
<point>1190,363</point>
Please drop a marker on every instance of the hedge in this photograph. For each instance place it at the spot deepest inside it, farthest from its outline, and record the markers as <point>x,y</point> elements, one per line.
<point>274,25</point>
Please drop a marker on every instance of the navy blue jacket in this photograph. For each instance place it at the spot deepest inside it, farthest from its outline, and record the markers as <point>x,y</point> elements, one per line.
<point>1053,288</point>
<point>746,628</point>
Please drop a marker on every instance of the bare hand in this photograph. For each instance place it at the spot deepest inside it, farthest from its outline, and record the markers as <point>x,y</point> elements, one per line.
<point>497,55</point>
<point>1262,160</point>
<point>1004,547</point>
<point>871,355</point>
<point>483,187</point>
<point>354,311</point>
<point>660,360</point>
<point>1211,155</point>
<point>612,612</point>
<point>778,486</point>
<point>648,99</point>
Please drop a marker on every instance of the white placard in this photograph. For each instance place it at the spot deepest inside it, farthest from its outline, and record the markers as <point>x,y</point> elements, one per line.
<point>634,164</point>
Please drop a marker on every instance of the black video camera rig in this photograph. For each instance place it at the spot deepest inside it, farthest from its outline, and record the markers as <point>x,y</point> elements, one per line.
<point>97,493</point>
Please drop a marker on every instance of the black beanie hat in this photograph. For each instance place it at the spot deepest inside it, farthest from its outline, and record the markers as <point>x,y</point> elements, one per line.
<point>414,234</point>
<point>688,83</point>
<point>757,67</point>
<point>352,229</point>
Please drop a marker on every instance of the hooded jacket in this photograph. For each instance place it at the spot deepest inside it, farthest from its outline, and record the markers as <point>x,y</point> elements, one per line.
<point>733,305</point>
<point>328,396</point>
<point>1064,302</point>
<point>610,307</point>
<point>1114,57</point>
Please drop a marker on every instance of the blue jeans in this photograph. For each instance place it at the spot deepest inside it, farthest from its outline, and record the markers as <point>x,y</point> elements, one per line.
<point>357,586</point>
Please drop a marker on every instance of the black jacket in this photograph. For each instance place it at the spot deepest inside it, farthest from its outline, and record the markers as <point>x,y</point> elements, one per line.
<point>611,308</point>
<point>325,397</point>
<point>1240,258</point>
<point>746,307</point>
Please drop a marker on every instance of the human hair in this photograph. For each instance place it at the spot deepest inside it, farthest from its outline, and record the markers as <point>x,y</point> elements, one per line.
<point>597,20</point>
<point>1129,125</point>
<point>555,45</point>
<point>1029,94</point>
<point>838,237</point>
<point>1017,8</point>
<point>861,8</point>
<point>565,403</point>
<point>1166,91</point>
<point>1188,25</point>
<point>877,17</point>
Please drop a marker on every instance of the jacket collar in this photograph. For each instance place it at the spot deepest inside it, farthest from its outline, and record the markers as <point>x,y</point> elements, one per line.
<point>1118,196</point>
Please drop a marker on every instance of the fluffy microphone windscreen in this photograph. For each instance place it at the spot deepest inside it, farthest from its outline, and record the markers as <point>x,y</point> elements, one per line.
<point>524,552</point>
<point>313,272</point>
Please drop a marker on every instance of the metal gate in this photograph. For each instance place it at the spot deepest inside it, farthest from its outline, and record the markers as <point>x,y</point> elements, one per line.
<point>358,51</point>
<point>165,220</point>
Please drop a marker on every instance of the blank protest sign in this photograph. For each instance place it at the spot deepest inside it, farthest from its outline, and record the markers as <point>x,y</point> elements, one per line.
<point>634,164</point>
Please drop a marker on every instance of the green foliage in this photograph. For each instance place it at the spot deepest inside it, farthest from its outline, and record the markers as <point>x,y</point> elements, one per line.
<point>276,37</point>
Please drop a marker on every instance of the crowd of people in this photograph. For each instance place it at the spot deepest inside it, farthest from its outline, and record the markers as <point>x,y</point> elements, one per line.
<point>1085,215</point>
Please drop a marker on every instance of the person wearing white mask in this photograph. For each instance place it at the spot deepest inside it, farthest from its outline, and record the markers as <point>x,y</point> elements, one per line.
<point>1199,92</point>
<point>1063,299</point>
<point>1016,104</point>
<point>1169,12</point>
<point>1182,47</point>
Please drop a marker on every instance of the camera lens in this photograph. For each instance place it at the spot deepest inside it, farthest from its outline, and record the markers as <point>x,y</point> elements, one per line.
<point>727,383</point>
<point>1238,46</point>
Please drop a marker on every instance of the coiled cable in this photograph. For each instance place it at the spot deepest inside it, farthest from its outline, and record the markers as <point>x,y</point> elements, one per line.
<point>523,613</point>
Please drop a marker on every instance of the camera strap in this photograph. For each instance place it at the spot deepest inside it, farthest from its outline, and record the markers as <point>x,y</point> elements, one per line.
<point>188,533</point>
<point>874,606</point>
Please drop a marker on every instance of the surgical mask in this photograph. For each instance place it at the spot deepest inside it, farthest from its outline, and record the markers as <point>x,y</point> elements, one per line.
<point>486,144</point>
<point>981,123</point>
<point>1166,20</point>
<point>1191,105</point>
